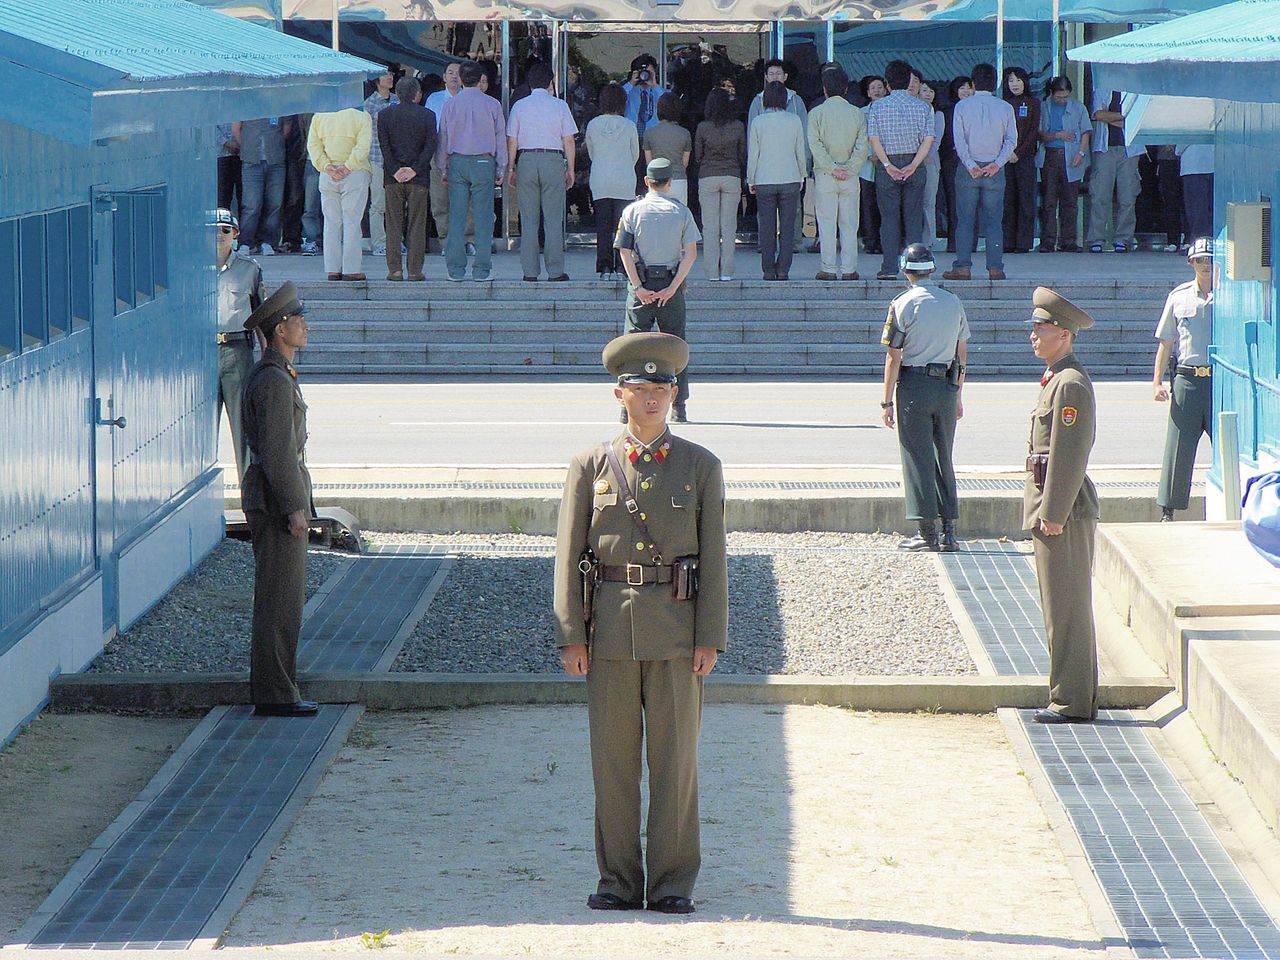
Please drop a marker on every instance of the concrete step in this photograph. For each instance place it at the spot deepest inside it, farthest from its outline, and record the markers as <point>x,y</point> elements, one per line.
<point>879,291</point>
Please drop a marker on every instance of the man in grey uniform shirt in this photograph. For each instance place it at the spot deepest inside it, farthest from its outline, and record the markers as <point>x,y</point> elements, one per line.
<point>926,334</point>
<point>240,291</point>
<point>658,243</point>
<point>1187,324</point>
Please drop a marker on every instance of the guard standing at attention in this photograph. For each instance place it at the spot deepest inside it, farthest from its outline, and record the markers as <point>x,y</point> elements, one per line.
<point>1060,508</point>
<point>1187,325</point>
<point>926,334</point>
<point>658,243</point>
<point>240,292</point>
<point>276,497</point>
<point>642,607</point>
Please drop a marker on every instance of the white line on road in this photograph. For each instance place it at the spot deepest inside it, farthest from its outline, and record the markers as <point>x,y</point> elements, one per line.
<point>529,424</point>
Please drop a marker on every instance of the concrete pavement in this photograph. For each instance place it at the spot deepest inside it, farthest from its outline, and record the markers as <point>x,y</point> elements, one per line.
<point>509,422</point>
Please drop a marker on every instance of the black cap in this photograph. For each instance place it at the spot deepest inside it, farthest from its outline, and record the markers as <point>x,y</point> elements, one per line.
<point>273,310</point>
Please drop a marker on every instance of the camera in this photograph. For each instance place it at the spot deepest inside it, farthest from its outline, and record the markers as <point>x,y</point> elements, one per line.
<point>644,75</point>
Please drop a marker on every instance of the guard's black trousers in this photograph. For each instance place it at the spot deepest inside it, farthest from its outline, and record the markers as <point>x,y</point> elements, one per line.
<point>1190,414</point>
<point>670,318</point>
<point>926,432</point>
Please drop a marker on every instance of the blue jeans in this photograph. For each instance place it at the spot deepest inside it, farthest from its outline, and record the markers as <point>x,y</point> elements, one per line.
<point>262,196</point>
<point>312,224</point>
<point>470,185</point>
<point>983,199</point>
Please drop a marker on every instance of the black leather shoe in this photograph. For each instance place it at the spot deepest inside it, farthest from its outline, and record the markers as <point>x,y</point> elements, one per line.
<point>1166,514</point>
<point>529,279</point>
<point>1045,715</point>
<point>678,415</point>
<point>611,901</point>
<point>560,279</point>
<point>302,708</point>
<point>925,540</point>
<point>949,544</point>
<point>672,905</point>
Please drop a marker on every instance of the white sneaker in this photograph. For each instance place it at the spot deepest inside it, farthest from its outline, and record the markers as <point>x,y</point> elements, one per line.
<point>309,248</point>
<point>723,279</point>
<point>267,251</point>
<point>380,250</point>
<point>1170,248</point>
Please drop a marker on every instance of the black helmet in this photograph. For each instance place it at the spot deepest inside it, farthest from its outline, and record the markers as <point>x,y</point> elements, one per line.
<point>917,258</point>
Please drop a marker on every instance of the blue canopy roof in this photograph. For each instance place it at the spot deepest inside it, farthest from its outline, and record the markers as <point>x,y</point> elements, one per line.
<point>1201,55</point>
<point>106,68</point>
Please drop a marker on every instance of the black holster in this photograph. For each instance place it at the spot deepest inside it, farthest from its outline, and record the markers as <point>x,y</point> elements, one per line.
<point>656,278</point>
<point>684,578</point>
<point>589,567</point>
<point>1038,467</point>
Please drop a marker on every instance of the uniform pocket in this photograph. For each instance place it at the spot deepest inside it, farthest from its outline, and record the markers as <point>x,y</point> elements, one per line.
<point>684,501</point>
<point>602,500</point>
<point>1184,312</point>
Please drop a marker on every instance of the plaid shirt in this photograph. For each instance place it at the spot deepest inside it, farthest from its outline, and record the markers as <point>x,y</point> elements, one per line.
<point>374,106</point>
<point>901,121</point>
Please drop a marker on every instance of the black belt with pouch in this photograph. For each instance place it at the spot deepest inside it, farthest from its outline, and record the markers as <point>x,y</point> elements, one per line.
<point>935,371</point>
<point>656,278</point>
<point>1038,467</point>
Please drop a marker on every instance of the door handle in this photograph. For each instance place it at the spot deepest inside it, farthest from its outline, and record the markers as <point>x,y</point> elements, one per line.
<point>119,422</point>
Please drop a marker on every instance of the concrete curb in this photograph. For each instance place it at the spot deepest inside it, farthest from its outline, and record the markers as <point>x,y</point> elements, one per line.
<point>168,693</point>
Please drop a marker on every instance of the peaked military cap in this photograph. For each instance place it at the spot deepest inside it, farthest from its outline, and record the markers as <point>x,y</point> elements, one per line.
<point>1203,247</point>
<point>646,357</point>
<point>273,310</point>
<point>659,169</point>
<point>1051,307</point>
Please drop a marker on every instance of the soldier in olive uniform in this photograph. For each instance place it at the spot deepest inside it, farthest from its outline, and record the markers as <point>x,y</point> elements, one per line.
<point>276,497</point>
<point>658,243</point>
<point>1060,508</point>
<point>1187,324</point>
<point>239,294</point>
<point>926,335</point>
<point>641,541</point>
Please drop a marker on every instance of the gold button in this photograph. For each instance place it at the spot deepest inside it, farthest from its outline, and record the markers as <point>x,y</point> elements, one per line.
<point>644,484</point>
<point>647,457</point>
<point>639,546</point>
<point>644,516</point>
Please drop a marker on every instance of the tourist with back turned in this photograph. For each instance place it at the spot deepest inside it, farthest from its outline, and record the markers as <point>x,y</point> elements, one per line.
<point>838,142</point>
<point>926,338</point>
<point>1060,508</point>
<point>900,131</point>
<point>613,145</point>
<point>474,163</point>
<point>720,153</point>
<point>641,603</point>
<point>540,156</point>
<point>985,135</point>
<point>407,135</point>
<point>776,169</point>
<point>338,145</point>
<point>276,497</point>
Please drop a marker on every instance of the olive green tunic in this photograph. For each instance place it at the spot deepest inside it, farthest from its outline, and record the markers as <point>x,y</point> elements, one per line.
<point>274,418</point>
<point>641,683</point>
<point>1062,426</point>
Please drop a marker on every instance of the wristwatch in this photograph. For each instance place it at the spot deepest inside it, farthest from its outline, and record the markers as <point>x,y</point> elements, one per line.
<point>886,406</point>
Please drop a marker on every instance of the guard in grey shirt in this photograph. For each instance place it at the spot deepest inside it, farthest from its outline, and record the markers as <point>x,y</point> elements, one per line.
<point>240,292</point>
<point>1187,325</point>
<point>926,335</point>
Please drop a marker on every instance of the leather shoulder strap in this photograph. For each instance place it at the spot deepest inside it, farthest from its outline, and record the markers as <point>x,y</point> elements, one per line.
<point>629,500</point>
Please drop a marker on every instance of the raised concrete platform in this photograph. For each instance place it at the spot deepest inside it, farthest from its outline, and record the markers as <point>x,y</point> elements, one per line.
<point>428,691</point>
<point>1206,607</point>
<point>771,499</point>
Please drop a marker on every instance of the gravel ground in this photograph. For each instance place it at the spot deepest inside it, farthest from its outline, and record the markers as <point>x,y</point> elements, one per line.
<point>202,626</point>
<point>813,603</point>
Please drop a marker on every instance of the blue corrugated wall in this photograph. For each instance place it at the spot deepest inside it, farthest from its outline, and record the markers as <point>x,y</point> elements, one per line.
<point>158,360</point>
<point>1247,377</point>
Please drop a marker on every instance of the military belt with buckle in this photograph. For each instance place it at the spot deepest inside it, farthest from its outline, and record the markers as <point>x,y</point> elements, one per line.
<point>636,574</point>
<point>1195,371</point>
<point>225,338</point>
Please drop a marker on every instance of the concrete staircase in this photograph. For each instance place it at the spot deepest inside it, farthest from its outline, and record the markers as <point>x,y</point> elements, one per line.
<point>801,328</point>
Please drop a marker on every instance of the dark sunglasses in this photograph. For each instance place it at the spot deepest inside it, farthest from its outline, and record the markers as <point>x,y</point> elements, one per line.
<point>226,229</point>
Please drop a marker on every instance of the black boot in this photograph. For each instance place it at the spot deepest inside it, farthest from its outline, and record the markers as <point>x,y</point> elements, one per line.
<point>949,544</point>
<point>1166,514</point>
<point>926,539</point>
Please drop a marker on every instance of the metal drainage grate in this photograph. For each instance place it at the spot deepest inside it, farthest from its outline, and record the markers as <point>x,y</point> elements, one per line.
<point>1173,887</point>
<point>969,484</point>
<point>1000,594</point>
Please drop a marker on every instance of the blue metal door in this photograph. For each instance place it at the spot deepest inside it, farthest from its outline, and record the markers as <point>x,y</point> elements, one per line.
<point>104,419</point>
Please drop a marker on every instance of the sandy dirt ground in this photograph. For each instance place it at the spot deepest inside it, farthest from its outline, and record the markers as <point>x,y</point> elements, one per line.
<point>825,832</point>
<point>62,781</point>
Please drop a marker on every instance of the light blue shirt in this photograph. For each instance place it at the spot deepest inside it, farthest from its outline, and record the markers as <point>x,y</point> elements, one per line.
<point>985,130</point>
<point>435,103</point>
<point>636,100</point>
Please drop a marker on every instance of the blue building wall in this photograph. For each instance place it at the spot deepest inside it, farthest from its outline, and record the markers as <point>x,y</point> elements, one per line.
<point>139,332</point>
<point>1247,374</point>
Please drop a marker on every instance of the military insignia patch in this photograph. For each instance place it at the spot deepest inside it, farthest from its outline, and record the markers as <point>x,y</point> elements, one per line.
<point>650,367</point>
<point>602,486</point>
<point>1068,416</point>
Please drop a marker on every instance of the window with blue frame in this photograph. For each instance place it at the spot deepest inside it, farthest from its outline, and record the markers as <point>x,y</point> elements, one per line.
<point>141,263</point>
<point>46,274</point>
